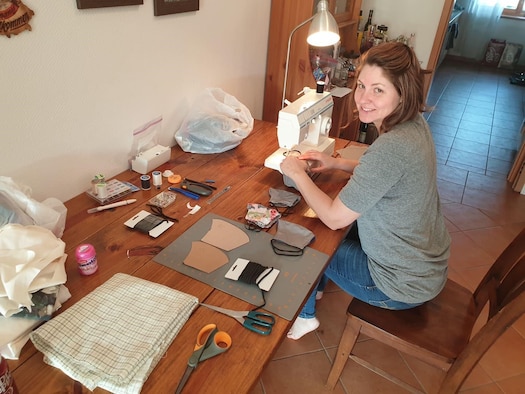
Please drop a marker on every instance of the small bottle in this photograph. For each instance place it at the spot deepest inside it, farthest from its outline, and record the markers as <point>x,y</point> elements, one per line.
<point>369,21</point>
<point>7,383</point>
<point>360,29</point>
<point>363,127</point>
<point>86,259</point>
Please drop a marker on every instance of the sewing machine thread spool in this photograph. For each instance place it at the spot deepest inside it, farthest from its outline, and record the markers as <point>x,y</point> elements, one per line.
<point>102,190</point>
<point>157,179</point>
<point>320,87</point>
<point>145,183</point>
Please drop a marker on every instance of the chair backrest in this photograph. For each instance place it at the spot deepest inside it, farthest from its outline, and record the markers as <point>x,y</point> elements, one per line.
<point>503,287</point>
<point>505,280</point>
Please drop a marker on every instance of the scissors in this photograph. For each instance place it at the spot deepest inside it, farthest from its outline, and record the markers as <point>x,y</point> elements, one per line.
<point>156,210</point>
<point>258,322</point>
<point>210,342</point>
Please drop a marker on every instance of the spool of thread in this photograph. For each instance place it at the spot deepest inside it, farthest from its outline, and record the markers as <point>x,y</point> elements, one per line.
<point>94,188</point>
<point>157,179</point>
<point>86,259</point>
<point>102,190</point>
<point>145,183</point>
<point>320,87</point>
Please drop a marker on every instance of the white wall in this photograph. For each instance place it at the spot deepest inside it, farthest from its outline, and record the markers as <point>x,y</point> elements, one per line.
<point>404,17</point>
<point>76,86</point>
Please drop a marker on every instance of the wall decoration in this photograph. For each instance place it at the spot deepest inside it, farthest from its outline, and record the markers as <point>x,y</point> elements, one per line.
<point>14,17</point>
<point>165,7</point>
<point>83,4</point>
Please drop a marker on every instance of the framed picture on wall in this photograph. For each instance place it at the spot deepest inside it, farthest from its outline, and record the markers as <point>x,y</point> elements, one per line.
<point>165,7</point>
<point>83,4</point>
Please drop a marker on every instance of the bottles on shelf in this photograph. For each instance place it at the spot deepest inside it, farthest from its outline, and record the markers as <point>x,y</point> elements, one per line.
<point>360,29</point>
<point>363,127</point>
<point>369,21</point>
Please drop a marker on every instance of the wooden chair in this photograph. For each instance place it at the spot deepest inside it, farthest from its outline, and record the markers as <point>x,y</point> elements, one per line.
<point>440,332</point>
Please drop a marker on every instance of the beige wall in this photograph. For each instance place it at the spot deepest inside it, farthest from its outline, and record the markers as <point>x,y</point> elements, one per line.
<point>76,86</point>
<point>404,17</point>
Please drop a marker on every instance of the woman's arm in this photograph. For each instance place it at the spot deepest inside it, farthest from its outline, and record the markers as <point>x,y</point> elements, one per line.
<point>333,213</point>
<point>319,162</point>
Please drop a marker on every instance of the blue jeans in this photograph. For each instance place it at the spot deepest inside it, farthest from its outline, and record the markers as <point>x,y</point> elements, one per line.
<point>349,270</point>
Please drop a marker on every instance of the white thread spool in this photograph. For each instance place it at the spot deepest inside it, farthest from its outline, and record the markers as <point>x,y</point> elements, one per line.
<point>102,190</point>
<point>157,179</point>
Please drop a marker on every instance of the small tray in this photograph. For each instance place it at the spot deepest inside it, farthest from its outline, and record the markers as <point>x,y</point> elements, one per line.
<point>163,199</point>
<point>116,190</point>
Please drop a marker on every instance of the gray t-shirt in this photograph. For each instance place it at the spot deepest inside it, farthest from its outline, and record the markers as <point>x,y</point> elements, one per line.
<point>401,226</point>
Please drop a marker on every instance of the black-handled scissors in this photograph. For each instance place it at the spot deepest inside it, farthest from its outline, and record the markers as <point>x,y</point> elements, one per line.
<point>156,210</point>
<point>258,322</point>
<point>210,342</point>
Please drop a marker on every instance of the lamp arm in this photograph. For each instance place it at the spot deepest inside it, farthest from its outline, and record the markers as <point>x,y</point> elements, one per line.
<point>288,56</point>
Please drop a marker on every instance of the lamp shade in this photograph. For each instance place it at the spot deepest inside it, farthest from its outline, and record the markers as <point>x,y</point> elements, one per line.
<point>323,29</point>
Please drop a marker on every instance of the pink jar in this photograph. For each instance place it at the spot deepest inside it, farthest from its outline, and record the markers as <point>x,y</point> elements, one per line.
<point>86,259</point>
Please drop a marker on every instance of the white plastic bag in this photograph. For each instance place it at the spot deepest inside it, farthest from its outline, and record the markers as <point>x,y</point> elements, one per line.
<point>217,122</point>
<point>17,206</point>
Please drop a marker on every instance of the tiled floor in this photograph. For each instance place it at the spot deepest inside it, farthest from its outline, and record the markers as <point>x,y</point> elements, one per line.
<point>476,124</point>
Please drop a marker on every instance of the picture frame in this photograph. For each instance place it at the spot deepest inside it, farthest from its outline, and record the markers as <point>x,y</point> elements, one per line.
<point>166,7</point>
<point>85,4</point>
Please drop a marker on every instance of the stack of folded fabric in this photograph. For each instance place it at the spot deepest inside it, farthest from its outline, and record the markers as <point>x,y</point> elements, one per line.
<point>115,336</point>
<point>32,277</point>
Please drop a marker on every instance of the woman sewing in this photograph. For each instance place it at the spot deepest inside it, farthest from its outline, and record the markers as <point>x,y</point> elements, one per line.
<point>398,259</point>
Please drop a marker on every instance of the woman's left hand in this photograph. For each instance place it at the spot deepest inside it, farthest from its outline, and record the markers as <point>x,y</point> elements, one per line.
<point>291,166</point>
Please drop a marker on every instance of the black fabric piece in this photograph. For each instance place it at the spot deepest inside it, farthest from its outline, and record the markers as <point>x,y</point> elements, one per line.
<point>148,223</point>
<point>250,274</point>
<point>283,249</point>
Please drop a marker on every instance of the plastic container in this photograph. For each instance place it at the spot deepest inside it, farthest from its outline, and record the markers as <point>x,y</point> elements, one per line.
<point>7,384</point>
<point>86,259</point>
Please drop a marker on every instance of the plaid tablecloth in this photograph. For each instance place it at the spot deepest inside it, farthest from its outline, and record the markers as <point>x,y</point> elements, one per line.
<point>115,336</point>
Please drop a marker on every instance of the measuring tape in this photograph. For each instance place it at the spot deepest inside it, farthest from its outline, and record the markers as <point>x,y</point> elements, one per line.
<point>213,198</point>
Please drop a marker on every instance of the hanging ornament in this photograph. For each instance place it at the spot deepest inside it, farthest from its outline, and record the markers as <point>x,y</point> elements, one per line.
<point>14,17</point>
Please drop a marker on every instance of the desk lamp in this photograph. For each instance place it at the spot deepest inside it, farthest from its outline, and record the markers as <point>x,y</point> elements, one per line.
<point>305,123</point>
<point>323,32</point>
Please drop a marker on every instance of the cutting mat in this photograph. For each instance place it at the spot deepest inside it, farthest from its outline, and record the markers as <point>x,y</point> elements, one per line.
<point>297,275</point>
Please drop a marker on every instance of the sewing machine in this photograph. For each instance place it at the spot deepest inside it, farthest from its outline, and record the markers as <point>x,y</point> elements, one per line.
<point>304,125</point>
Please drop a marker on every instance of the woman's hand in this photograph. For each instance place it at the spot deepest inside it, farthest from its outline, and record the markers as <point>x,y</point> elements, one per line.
<point>291,166</point>
<point>318,161</point>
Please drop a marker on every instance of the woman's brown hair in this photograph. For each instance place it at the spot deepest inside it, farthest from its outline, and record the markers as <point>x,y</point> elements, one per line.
<point>401,66</point>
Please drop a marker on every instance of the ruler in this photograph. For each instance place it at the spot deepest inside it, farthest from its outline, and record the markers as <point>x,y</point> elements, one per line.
<point>213,198</point>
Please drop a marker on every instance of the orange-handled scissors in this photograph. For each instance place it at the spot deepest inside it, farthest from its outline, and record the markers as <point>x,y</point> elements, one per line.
<point>210,342</point>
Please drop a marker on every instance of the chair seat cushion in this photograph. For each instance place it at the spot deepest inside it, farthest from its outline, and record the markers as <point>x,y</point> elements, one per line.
<point>442,325</point>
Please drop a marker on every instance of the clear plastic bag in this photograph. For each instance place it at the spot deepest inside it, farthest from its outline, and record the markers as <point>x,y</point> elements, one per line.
<point>17,206</point>
<point>217,122</point>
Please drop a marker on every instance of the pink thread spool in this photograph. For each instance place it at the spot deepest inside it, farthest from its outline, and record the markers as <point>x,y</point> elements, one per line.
<point>86,259</point>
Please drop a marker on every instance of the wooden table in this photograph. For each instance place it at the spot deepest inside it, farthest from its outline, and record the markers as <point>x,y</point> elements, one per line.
<point>242,168</point>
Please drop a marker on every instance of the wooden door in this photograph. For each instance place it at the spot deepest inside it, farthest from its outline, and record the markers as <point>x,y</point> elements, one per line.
<point>285,15</point>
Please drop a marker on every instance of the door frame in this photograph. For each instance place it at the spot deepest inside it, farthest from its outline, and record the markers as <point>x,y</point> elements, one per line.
<point>439,41</point>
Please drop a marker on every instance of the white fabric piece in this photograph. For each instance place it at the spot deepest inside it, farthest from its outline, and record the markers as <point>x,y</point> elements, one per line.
<point>14,331</point>
<point>114,337</point>
<point>31,258</point>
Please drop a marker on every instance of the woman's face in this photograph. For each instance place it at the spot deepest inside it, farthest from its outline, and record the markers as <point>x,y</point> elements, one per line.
<point>375,96</point>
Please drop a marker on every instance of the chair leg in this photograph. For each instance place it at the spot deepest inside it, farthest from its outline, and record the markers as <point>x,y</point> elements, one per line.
<point>346,344</point>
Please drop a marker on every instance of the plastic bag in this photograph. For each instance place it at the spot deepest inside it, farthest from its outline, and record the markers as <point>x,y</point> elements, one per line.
<point>217,122</point>
<point>17,206</point>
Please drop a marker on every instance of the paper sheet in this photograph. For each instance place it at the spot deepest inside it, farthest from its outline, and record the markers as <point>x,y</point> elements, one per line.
<point>205,257</point>
<point>352,152</point>
<point>225,235</point>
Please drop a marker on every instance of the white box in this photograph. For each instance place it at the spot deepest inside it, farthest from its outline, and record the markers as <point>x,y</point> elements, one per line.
<point>148,160</point>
